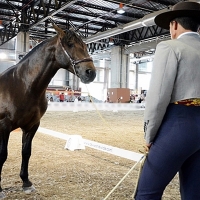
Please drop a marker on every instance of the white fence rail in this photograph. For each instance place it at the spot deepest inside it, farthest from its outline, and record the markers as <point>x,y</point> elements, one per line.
<point>81,106</point>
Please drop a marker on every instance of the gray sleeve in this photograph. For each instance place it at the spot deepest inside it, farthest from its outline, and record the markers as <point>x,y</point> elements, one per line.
<point>161,86</point>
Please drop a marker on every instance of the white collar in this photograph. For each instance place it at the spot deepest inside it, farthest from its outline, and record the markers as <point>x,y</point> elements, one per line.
<point>187,33</point>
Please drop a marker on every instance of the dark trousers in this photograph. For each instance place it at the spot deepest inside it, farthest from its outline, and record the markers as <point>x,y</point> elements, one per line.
<point>175,149</point>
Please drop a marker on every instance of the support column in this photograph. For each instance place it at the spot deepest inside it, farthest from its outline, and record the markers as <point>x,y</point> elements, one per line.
<point>119,68</point>
<point>22,45</point>
<point>106,74</point>
<point>126,70</point>
<point>73,81</point>
<point>106,79</point>
<point>136,77</point>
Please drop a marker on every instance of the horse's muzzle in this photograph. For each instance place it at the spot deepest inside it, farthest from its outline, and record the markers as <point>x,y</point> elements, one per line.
<point>89,76</point>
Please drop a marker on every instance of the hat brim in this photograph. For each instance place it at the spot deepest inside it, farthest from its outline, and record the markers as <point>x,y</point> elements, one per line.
<point>163,20</point>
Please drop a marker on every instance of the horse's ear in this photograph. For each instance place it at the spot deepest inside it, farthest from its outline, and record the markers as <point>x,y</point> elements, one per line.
<point>58,30</point>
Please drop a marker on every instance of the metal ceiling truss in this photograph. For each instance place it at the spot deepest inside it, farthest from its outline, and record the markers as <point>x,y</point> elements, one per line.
<point>86,17</point>
<point>134,36</point>
<point>145,33</point>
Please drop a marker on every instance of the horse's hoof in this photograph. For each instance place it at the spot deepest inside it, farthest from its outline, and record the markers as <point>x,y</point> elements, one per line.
<point>2,195</point>
<point>29,190</point>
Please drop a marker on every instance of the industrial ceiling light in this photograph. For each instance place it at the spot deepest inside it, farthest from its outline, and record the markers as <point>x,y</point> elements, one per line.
<point>1,25</point>
<point>121,10</point>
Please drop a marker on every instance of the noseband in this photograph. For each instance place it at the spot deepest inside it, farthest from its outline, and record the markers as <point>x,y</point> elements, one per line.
<point>75,62</point>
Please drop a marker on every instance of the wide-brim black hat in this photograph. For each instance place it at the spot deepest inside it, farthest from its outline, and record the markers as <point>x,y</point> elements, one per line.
<point>181,9</point>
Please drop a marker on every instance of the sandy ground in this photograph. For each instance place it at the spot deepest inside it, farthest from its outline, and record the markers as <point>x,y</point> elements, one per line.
<point>87,174</point>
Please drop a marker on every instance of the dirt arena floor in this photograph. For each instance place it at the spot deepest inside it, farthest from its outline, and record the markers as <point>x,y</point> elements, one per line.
<point>60,174</point>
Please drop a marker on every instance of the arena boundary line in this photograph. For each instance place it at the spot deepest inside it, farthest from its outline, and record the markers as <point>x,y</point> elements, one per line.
<point>96,145</point>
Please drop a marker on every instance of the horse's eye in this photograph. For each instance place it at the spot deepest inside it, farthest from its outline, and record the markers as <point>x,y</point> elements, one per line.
<point>70,45</point>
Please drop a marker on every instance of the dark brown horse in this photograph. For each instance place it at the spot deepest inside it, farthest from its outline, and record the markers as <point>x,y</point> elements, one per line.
<point>23,86</point>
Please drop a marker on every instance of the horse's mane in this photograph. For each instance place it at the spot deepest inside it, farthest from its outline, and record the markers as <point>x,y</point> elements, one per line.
<point>34,49</point>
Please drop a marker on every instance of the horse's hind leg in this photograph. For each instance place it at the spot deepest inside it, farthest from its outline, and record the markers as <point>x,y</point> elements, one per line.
<point>4,136</point>
<point>26,153</point>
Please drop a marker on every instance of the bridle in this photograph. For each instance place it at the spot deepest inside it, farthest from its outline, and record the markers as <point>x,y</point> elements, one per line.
<point>75,62</point>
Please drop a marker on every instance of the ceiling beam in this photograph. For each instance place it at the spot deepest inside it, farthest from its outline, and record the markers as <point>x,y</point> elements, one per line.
<point>147,20</point>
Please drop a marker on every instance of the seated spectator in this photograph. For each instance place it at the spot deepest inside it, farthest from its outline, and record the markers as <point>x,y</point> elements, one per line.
<point>62,97</point>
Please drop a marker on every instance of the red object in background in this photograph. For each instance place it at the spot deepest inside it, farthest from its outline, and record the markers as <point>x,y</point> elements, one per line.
<point>62,97</point>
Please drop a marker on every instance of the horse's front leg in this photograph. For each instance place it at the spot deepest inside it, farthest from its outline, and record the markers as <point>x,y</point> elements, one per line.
<point>26,153</point>
<point>4,136</point>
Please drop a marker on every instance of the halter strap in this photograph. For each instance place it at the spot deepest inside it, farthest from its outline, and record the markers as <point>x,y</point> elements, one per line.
<point>75,62</point>
<point>82,60</point>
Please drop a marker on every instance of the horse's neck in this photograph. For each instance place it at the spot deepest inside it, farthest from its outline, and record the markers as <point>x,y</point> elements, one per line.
<point>38,68</point>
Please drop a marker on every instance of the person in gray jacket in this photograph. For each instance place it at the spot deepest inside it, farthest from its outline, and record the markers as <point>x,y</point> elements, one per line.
<point>172,114</point>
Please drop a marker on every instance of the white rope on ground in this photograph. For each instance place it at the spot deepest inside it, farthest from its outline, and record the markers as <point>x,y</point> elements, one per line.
<point>143,158</point>
<point>141,161</point>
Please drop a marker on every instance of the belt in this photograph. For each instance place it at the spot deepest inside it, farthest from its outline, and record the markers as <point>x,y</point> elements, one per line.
<point>189,102</point>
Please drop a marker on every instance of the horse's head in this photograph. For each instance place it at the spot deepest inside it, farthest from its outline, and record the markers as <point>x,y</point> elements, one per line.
<point>75,50</point>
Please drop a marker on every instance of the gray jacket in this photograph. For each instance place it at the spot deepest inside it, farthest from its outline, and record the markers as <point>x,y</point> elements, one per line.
<point>175,76</point>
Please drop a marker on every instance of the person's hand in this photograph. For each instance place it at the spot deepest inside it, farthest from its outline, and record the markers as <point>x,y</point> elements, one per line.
<point>148,145</point>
